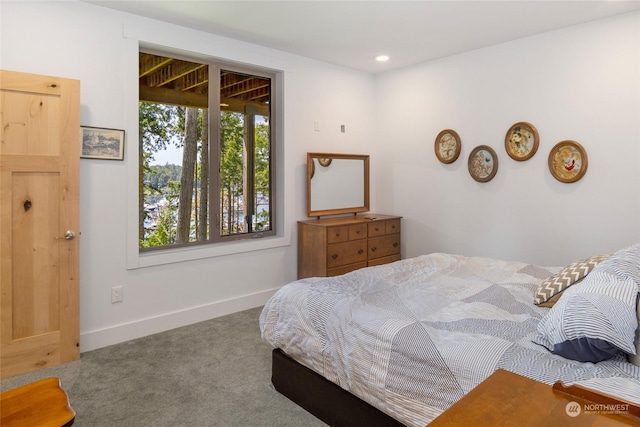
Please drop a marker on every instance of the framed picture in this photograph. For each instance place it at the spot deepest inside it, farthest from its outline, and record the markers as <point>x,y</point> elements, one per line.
<point>447,146</point>
<point>483,163</point>
<point>101,143</point>
<point>521,141</point>
<point>568,161</point>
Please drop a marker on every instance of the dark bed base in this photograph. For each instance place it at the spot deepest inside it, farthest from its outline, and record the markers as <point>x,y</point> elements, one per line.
<point>322,398</point>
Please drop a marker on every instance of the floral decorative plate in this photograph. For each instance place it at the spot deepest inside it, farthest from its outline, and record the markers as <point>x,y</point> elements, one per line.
<point>521,141</point>
<point>447,146</point>
<point>568,161</point>
<point>483,163</point>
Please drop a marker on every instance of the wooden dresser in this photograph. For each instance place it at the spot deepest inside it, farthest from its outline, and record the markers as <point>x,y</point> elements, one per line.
<point>334,246</point>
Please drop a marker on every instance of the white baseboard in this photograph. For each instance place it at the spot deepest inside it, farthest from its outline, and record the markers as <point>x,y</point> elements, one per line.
<point>128,331</point>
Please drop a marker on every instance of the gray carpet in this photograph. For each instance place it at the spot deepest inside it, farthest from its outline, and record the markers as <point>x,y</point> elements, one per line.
<point>213,373</point>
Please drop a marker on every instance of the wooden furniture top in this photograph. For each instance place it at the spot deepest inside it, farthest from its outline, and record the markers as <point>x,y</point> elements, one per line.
<point>508,399</point>
<point>345,220</point>
<point>42,403</point>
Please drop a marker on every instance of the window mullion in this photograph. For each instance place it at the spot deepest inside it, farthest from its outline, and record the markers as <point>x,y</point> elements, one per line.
<point>215,214</point>
<point>249,195</point>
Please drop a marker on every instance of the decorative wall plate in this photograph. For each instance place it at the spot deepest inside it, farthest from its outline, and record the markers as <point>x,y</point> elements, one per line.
<point>322,162</point>
<point>521,141</point>
<point>568,161</point>
<point>447,146</point>
<point>483,163</point>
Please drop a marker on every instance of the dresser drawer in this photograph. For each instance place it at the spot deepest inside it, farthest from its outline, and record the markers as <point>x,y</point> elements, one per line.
<point>346,253</point>
<point>392,226</point>
<point>338,234</point>
<point>384,246</point>
<point>346,232</point>
<point>377,228</point>
<point>345,269</point>
<point>358,231</point>
<point>384,260</point>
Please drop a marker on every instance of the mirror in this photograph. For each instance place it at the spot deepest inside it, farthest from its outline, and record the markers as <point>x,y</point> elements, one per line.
<point>337,183</point>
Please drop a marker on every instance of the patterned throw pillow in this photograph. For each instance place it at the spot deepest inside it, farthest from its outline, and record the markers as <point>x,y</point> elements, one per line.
<point>550,290</point>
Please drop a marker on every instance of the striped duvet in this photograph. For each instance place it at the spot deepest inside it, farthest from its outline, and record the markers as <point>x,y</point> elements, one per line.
<point>412,337</point>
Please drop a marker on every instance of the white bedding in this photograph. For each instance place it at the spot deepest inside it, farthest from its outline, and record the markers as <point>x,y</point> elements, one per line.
<point>414,336</point>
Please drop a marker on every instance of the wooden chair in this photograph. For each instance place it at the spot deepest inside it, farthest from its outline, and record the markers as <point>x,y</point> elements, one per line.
<point>39,404</point>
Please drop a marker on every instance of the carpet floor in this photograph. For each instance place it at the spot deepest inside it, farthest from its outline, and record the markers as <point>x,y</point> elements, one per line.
<point>213,373</point>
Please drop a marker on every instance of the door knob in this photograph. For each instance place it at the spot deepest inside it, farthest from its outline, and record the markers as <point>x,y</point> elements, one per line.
<point>69,235</point>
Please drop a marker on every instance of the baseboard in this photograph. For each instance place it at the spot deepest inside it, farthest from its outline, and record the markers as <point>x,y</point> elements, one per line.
<point>128,331</point>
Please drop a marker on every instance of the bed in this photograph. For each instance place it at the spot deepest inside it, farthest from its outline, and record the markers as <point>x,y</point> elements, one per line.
<point>398,344</point>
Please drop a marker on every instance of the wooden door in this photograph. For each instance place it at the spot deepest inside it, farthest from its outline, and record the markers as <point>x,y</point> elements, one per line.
<point>39,216</point>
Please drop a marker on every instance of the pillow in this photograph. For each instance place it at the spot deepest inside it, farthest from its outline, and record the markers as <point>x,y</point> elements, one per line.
<point>550,289</point>
<point>624,263</point>
<point>594,321</point>
<point>635,358</point>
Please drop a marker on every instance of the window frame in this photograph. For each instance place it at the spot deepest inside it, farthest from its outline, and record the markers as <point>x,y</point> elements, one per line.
<point>282,238</point>
<point>214,157</point>
<point>214,237</point>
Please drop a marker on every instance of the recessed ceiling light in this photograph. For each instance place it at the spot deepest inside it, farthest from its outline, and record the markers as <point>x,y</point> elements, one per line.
<point>382,58</point>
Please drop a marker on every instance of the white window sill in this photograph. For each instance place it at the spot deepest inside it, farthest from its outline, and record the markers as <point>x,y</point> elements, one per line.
<point>169,256</point>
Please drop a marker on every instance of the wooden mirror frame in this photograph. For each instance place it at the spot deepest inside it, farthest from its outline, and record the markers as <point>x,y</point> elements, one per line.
<point>326,160</point>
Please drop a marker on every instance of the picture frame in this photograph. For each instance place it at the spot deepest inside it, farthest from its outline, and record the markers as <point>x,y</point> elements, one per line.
<point>101,143</point>
<point>521,141</point>
<point>483,163</point>
<point>447,146</point>
<point>568,161</point>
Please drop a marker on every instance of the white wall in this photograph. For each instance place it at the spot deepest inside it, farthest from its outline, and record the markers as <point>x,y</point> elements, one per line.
<point>580,83</point>
<point>99,47</point>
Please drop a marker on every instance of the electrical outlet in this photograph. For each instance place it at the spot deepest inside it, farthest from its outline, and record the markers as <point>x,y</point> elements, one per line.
<point>116,294</point>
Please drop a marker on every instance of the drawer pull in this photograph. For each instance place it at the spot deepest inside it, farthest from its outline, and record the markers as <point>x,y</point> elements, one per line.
<point>395,244</point>
<point>373,249</point>
<point>360,251</point>
<point>376,228</point>
<point>334,256</point>
<point>337,234</point>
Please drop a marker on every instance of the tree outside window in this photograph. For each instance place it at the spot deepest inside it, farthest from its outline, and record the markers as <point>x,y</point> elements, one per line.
<point>182,202</point>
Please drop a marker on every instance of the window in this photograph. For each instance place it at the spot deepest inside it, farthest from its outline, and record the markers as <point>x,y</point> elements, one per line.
<point>206,171</point>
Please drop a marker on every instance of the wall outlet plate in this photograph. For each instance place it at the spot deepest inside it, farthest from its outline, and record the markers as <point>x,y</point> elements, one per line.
<point>116,294</point>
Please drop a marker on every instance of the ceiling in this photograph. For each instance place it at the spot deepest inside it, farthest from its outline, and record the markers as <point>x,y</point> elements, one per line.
<point>352,33</point>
